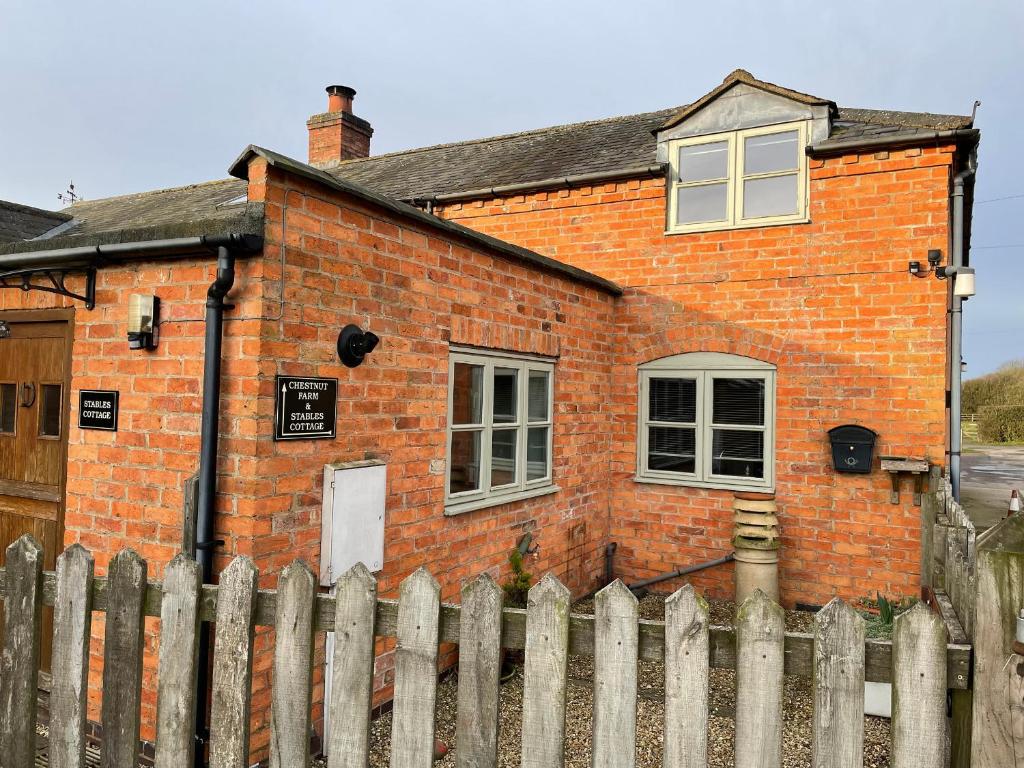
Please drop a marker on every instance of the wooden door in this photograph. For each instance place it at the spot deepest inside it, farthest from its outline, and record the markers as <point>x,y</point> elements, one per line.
<point>33,438</point>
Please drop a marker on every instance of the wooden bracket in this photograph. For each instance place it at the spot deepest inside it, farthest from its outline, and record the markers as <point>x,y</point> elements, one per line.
<point>897,465</point>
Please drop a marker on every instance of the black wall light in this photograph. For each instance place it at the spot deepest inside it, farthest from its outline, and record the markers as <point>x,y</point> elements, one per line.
<point>354,345</point>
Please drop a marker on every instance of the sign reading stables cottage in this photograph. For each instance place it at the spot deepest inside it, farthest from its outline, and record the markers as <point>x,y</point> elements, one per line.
<point>97,409</point>
<point>305,408</point>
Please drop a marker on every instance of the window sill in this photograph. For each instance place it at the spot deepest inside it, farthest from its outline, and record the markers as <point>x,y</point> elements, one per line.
<point>710,485</point>
<point>719,227</point>
<point>460,507</point>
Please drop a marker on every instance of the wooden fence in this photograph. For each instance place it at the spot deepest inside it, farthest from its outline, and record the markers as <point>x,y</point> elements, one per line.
<point>919,662</point>
<point>975,581</point>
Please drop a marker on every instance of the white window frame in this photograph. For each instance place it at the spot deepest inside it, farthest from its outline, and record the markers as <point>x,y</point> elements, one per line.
<point>704,367</point>
<point>735,178</point>
<point>486,495</point>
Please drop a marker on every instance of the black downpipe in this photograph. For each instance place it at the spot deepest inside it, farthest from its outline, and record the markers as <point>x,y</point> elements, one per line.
<point>207,485</point>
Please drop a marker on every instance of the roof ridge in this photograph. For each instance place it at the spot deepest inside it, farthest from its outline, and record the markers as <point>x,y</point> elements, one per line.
<point>876,111</point>
<point>154,191</point>
<point>11,205</point>
<point>503,136</point>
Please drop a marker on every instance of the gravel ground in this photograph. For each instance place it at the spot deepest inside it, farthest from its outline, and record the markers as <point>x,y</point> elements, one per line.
<point>650,710</point>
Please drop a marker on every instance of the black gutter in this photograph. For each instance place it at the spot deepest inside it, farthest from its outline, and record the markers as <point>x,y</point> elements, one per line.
<point>99,255</point>
<point>207,485</point>
<point>967,135</point>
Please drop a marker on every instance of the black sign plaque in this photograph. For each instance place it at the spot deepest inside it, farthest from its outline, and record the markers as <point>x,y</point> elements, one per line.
<point>97,409</point>
<point>305,408</point>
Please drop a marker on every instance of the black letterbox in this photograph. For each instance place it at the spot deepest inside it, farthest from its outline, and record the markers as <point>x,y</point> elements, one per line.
<point>852,448</point>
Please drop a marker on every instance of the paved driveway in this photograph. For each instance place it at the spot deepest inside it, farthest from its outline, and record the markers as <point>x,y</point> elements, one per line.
<point>987,475</point>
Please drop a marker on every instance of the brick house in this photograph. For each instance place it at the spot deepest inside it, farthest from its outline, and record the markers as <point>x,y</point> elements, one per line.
<point>595,333</point>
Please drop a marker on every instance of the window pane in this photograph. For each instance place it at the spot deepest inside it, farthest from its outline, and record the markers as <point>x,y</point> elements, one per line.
<point>704,203</point>
<point>673,400</point>
<point>8,407</point>
<point>737,453</point>
<point>738,401</point>
<point>467,394</point>
<point>702,162</point>
<point>536,453</point>
<point>671,449</point>
<point>49,410</point>
<point>538,396</point>
<point>465,471</point>
<point>773,196</point>
<point>503,456</point>
<point>505,399</point>
<point>771,152</point>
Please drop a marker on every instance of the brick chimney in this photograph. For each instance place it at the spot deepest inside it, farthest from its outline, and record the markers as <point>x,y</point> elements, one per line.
<point>337,134</point>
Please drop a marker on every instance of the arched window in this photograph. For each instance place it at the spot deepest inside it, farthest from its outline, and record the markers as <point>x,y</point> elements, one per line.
<point>707,419</point>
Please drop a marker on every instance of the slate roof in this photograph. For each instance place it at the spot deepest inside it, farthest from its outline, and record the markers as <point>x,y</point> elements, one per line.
<point>563,150</point>
<point>853,124</point>
<point>614,145</point>
<point>23,222</point>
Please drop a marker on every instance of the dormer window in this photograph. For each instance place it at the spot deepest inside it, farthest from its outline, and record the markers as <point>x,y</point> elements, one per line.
<point>751,178</point>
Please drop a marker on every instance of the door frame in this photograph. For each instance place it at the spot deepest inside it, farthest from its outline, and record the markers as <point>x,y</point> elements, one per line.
<point>67,316</point>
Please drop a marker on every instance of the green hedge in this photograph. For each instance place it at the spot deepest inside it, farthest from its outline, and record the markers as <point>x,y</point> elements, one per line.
<point>1001,424</point>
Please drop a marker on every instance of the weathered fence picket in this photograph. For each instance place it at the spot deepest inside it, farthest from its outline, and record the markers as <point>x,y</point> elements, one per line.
<point>837,655</point>
<point>545,674</point>
<point>348,743</point>
<point>293,667</point>
<point>686,680</point>
<point>479,674</point>
<point>918,690</point>
<point>69,668</point>
<point>176,675</point>
<point>19,672</point>
<point>122,660</point>
<point>838,687</point>
<point>412,724</point>
<point>232,665</point>
<point>615,657</point>
<point>760,630</point>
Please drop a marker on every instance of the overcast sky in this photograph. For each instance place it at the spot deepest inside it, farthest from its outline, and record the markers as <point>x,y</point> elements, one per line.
<point>127,96</point>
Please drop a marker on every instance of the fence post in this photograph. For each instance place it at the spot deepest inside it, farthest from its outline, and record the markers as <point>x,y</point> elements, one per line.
<point>412,720</point>
<point>122,659</point>
<point>352,671</point>
<point>293,667</point>
<point>20,667</point>
<point>686,680</point>
<point>616,644</point>
<point>232,665</point>
<point>760,639</point>
<point>72,622</point>
<point>479,673</point>
<point>179,645</point>
<point>997,670</point>
<point>918,689</point>
<point>544,684</point>
<point>929,515</point>
<point>838,687</point>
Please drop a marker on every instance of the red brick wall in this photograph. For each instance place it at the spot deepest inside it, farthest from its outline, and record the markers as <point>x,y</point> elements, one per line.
<point>124,488</point>
<point>344,261</point>
<point>830,303</point>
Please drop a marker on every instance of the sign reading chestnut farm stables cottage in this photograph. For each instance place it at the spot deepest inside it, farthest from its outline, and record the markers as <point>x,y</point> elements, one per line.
<point>305,408</point>
<point>97,409</point>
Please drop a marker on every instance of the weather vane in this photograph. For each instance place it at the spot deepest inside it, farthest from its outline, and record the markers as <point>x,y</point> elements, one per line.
<point>69,196</point>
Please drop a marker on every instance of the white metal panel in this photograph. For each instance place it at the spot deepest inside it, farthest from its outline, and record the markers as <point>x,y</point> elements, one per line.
<point>352,518</point>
